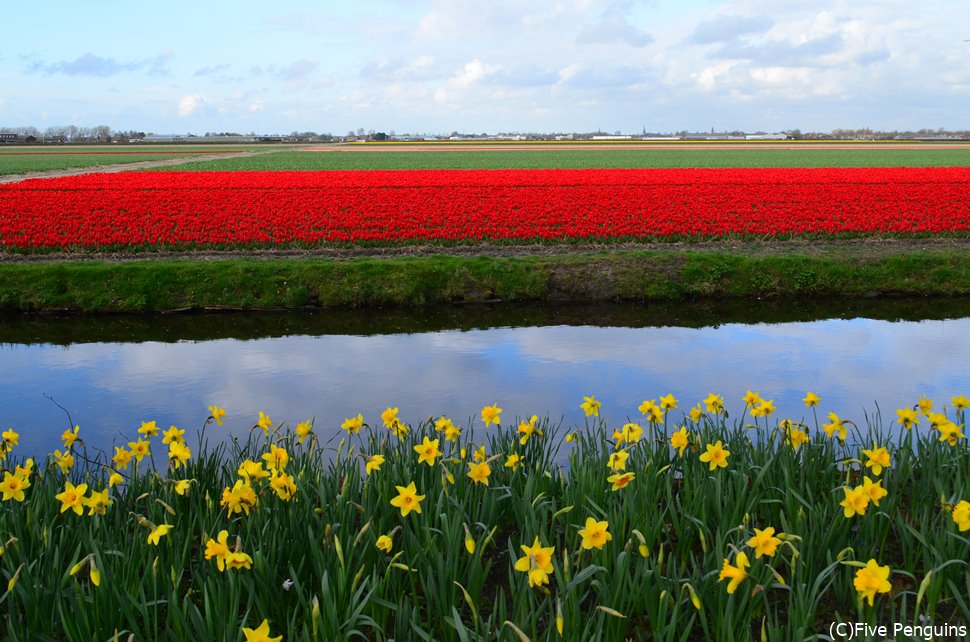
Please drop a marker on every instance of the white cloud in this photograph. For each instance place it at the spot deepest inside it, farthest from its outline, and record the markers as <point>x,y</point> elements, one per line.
<point>472,73</point>
<point>188,105</point>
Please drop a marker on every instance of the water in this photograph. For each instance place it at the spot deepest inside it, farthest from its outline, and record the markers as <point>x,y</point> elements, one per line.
<point>112,373</point>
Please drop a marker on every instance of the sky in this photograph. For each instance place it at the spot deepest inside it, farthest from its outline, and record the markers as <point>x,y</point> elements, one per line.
<point>438,66</point>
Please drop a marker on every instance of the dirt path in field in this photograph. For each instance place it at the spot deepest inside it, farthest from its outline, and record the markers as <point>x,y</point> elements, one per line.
<point>856,248</point>
<point>124,167</point>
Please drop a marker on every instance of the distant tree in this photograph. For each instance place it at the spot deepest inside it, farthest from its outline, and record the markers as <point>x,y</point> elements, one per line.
<point>380,136</point>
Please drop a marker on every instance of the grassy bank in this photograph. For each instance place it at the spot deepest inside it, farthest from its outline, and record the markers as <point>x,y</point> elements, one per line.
<point>251,283</point>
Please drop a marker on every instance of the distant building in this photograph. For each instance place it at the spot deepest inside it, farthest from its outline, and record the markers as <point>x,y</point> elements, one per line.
<point>778,136</point>
<point>10,138</point>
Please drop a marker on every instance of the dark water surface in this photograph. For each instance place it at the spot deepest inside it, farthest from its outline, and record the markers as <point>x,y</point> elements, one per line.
<point>111,373</point>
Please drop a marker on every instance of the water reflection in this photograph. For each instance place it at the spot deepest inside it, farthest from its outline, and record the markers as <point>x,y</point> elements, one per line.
<point>170,368</point>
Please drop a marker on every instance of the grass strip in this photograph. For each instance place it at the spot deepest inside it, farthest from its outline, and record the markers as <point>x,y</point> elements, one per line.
<point>250,283</point>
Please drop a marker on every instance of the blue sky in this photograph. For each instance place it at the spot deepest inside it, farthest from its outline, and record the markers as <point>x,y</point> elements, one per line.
<point>433,66</point>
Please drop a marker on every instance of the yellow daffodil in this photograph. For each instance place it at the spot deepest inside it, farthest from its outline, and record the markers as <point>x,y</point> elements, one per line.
<point>751,398</point>
<point>936,419</point>
<point>70,436</point>
<point>960,402</point>
<point>114,479</point>
<point>218,413</point>
<point>735,574</point>
<point>238,499</point>
<point>373,463</point>
<point>149,429</point>
<point>303,430</point>
<point>64,460</point>
<point>182,486</point>
<point>389,417</point>
<point>399,428</point>
<point>796,438</point>
<point>961,515</point>
<point>595,534</point>
<point>491,415</point>
<point>875,491</point>
<point>590,406</point>
<point>835,425</point>
<point>98,502</point>
<point>856,501</point>
<point>617,460</point>
<point>631,433</point>
<point>716,456</point>
<point>537,562</point>
<point>469,541</point>
<point>513,461</point>
<point>407,499</point>
<point>764,408</point>
<point>174,435</point>
<point>877,459</point>
<point>871,580</point>
<point>428,451</point>
<point>479,472</point>
<point>25,471</point>
<point>218,549</point>
<point>238,559</point>
<point>139,449</point>
<point>647,406</point>
<point>385,543</point>
<point>73,497</point>
<point>714,404</point>
<point>811,400</point>
<point>264,422</point>
<point>276,458</point>
<point>527,429</point>
<point>696,413</point>
<point>353,424</point>
<point>260,633</point>
<point>252,471</point>
<point>13,487</point>
<point>447,426</point>
<point>178,454</point>
<point>668,402</point>
<point>122,458</point>
<point>655,415</point>
<point>764,542</point>
<point>907,417</point>
<point>950,433</point>
<point>282,484</point>
<point>95,573</point>
<point>157,533</point>
<point>925,405</point>
<point>621,480</point>
<point>680,440</point>
<point>10,437</point>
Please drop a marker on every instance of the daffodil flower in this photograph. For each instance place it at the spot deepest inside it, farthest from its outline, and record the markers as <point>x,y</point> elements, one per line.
<point>595,534</point>
<point>407,499</point>
<point>871,580</point>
